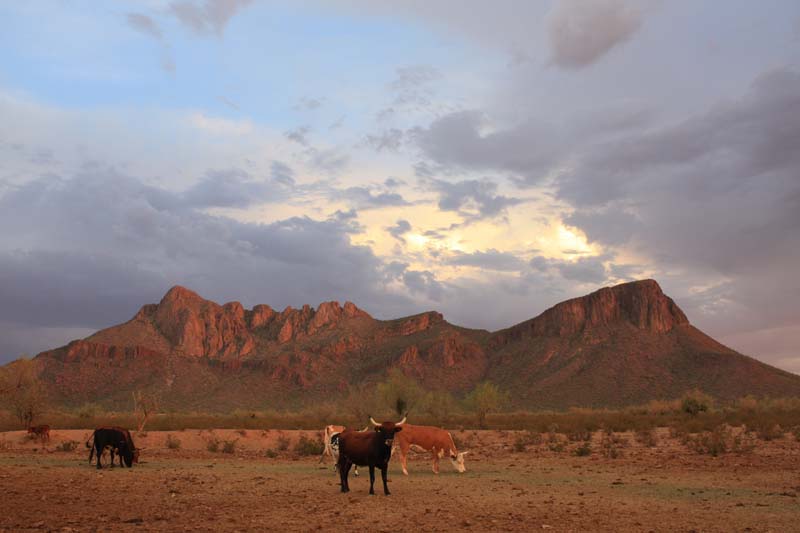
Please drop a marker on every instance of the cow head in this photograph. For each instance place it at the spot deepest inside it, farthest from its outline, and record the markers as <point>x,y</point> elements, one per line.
<point>388,429</point>
<point>458,461</point>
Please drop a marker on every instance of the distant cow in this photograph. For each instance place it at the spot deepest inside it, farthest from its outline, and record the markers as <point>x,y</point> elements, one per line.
<point>117,439</point>
<point>42,432</point>
<point>330,440</point>
<point>368,448</point>
<point>429,439</point>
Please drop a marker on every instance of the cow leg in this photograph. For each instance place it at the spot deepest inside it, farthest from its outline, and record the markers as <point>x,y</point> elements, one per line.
<point>99,452</point>
<point>404,460</point>
<point>371,479</point>
<point>355,470</point>
<point>384,470</point>
<point>112,456</point>
<point>344,469</point>
<point>435,461</point>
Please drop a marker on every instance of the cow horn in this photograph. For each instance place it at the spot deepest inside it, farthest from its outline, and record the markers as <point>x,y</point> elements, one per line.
<point>403,421</point>
<point>372,421</point>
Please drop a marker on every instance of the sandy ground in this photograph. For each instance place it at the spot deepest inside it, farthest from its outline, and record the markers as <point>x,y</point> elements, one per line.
<point>665,488</point>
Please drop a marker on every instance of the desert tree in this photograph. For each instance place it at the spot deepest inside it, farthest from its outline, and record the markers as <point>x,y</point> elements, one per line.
<point>485,398</point>
<point>145,404</point>
<point>399,392</point>
<point>359,402</point>
<point>439,405</point>
<point>23,390</point>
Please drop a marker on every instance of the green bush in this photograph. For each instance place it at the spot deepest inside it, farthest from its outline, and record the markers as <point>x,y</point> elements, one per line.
<point>695,402</point>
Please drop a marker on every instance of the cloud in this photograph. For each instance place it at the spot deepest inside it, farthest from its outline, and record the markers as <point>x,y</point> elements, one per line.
<point>298,135</point>
<point>490,259</point>
<point>307,104</point>
<point>390,140</point>
<point>364,198</point>
<point>472,199</point>
<point>399,229</point>
<point>236,188</point>
<point>208,17</point>
<point>582,32</point>
<point>528,149</point>
<point>147,26</point>
<point>590,270</point>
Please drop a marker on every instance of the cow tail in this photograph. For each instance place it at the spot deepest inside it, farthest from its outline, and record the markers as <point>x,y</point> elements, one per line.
<point>90,441</point>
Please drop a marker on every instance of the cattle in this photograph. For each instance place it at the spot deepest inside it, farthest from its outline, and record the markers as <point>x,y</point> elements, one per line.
<point>368,448</point>
<point>42,432</point>
<point>429,439</point>
<point>330,441</point>
<point>117,439</point>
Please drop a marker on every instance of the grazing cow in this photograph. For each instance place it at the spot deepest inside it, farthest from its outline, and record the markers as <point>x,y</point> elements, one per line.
<point>368,448</point>
<point>117,439</point>
<point>429,439</point>
<point>330,439</point>
<point>42,432</point>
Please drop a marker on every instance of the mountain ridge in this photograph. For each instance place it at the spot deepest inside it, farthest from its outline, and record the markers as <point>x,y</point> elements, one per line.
<point>615,346</point>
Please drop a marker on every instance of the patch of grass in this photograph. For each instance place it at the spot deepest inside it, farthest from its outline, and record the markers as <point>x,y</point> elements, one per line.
<point>714,443</point>
<point>768,430</point>
<point>306,446</point>
<point>173,443</point>
<point>229,446</point>
<point>272,454</point>
<point>213,445</point>
<point>647,437</point>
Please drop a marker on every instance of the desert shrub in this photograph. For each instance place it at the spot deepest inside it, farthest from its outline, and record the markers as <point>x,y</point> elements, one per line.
<point>712,443</point>
<point>283,443</point>
<point>695,402</point>
<point>485,398</point>
<point>579,435</point>
<point>768,430</point>
<point>67,446</point>
<point>583,450</point>
<point>229,446</point>
<point>555,443</point>
<point>743,443</point>
<point>796,432</point>
<point>272,454</point>
<point>173,443</point>
<point>611,444</point>
<point>646,437</point>
<point>213,445</point>
<point>520,443</point>
<point>306,446</point>
<point>242,432</point>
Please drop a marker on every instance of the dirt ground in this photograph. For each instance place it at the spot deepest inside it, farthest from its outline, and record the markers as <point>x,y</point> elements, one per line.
<point>664,488</point>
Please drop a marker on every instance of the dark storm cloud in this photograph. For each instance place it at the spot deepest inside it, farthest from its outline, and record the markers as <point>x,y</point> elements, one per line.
<point>490,259</point>
<point>207,17</point>
<point>236,188</point>
<point>99,245</point>
<point>582,32</point>
<point>583,270</point>
<point>528,149</point>
<point>472,199</point>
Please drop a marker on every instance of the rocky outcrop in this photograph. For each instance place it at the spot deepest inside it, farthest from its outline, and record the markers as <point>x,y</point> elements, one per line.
<point>640,303</point>
<point>419,323</point>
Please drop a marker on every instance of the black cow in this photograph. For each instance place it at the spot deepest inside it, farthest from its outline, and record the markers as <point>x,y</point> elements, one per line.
<point>117,439</point>
<point>373,449</point>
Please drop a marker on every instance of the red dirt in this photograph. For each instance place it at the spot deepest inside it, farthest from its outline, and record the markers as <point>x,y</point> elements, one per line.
<point>666,488</point>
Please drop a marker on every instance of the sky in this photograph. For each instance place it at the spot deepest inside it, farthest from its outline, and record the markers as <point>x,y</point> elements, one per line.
<point>484,159</point>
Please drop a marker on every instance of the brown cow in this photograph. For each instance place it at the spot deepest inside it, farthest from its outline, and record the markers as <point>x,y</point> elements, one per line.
<point>368,448</point>
<point>42,432</point>
<point>429,439</point>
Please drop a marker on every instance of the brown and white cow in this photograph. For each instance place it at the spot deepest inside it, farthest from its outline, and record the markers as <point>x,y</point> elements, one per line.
<point>431,439</point>
<point>330,441</point>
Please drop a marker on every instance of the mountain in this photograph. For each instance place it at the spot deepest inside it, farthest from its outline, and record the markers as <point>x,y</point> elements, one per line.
<point>617,346</point>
